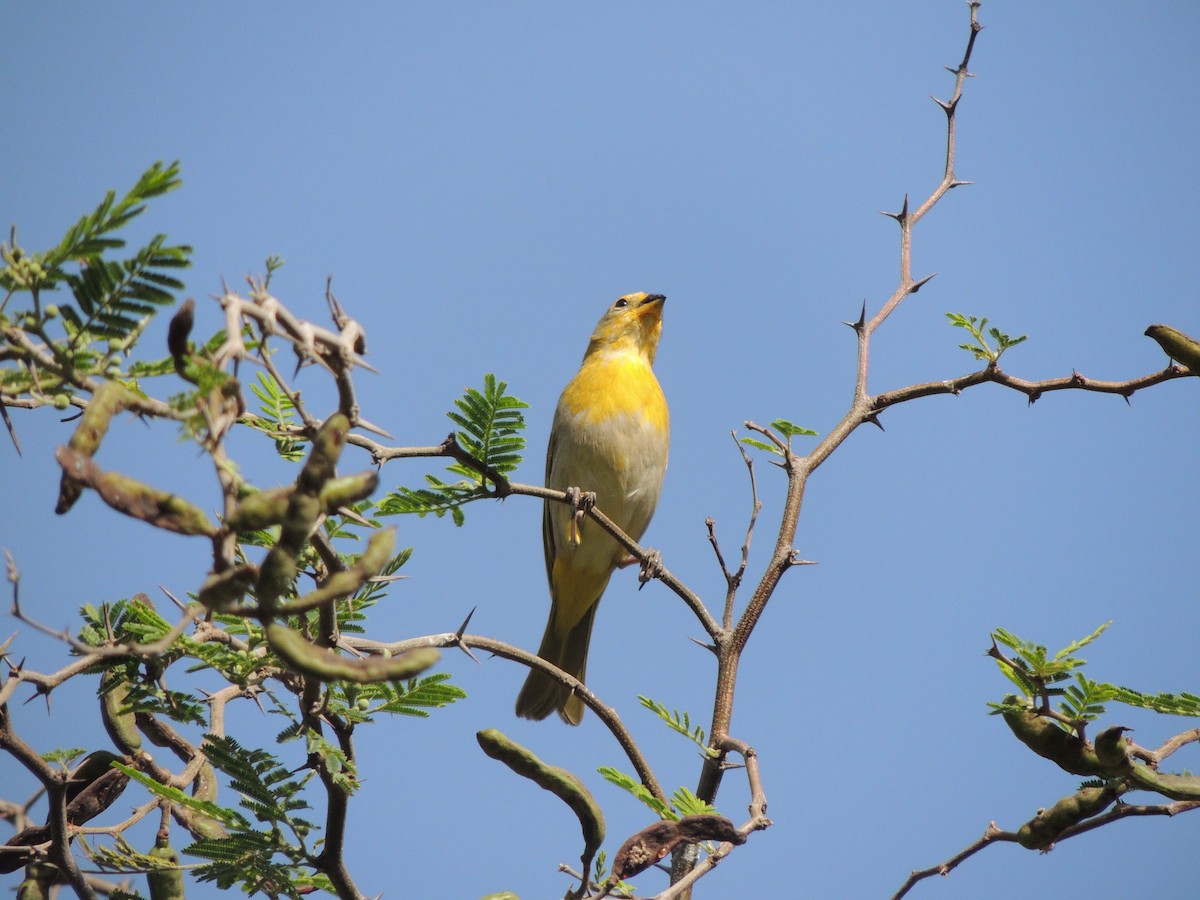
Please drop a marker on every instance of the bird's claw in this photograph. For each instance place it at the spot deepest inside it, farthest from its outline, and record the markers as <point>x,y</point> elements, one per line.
<point>580,502</point>
<point>652,568</point>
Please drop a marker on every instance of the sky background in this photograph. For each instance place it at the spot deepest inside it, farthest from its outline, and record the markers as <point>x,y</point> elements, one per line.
<point>481,181</point>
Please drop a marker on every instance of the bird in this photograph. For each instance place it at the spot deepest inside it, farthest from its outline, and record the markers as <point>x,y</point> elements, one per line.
<point>1177,345</point>
<point>609,438</point>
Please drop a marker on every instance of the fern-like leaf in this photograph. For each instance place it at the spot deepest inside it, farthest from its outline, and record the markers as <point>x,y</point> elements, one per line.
<point>490,426</point>
<point>634,787</point>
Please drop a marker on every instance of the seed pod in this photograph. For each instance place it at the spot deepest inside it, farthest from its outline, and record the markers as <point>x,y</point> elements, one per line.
<point>343,584</point>
<point>39,878</point>
<point>165,883</point>
<point>94,786</point>
<point>109,399</point>
<point>326,665</point>
<point>556,780</point>
<point>654,842</point>
<point>1045,738</point>
<point>1111,749</point>
<point>1043,829</point>
<point>119,720</point>
<point>177,335</point>
<point>260,510</point>
<point>348,489</point>
<point>130,496</point>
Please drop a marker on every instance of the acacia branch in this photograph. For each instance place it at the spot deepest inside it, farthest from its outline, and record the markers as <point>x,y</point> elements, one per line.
<point>994,835</point>
<point>635,549</point>
<point>604,712</point>
<point>784,556</point>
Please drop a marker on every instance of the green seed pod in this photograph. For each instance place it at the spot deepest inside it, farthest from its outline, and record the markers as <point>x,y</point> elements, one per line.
<point>130,496</point>
<point>1112,750</point>
<point>343,584</point>
<point>1176,787</point>
<point>556,780</point>
<point>165,883</point>
<point>324,664</point>
<point>348,489</point>
<point>39,878</point>
<point>222,590</point>
<point>1043,829</point>
<point>61,401</point>
<point>326,450</point>
<point>51,311</point>
<point>109,399</point>
<point>119,720</point>
<point>1045,738</point>
<point>260,510</point>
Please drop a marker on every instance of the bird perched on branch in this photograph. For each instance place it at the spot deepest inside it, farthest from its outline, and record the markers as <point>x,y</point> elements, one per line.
<point>1177,345</point>
<point>609,439</point>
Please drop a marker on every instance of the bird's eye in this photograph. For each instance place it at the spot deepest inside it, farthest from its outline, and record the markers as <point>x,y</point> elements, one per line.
<point>620,303</point>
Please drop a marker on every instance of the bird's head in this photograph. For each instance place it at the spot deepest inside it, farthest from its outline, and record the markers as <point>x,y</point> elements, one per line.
<point>633,322</point>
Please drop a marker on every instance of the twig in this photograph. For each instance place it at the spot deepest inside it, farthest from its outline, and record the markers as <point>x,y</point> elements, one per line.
<point>605,713</point>
<point>990,836</point>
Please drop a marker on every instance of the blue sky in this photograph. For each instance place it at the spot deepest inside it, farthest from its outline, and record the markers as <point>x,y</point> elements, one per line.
<point>482,180</point>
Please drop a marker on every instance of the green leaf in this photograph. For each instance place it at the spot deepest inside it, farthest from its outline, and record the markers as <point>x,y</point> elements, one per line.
<point>979,346</point>
<point>634,787</point>
<point>1182,704</point>
<point>680,723</point>
<point>490,426</point>
<point>689,804</point>
<point>790,429</point>
<point>762,445</point>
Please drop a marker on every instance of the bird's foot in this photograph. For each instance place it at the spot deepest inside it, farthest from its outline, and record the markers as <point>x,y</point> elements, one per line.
<point>580,502</point>
<point>652,568</point>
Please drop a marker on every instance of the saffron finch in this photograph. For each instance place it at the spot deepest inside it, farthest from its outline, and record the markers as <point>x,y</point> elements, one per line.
<point>610,437</point>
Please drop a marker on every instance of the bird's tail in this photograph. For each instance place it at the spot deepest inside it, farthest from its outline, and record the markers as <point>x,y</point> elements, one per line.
<point>541,694</point>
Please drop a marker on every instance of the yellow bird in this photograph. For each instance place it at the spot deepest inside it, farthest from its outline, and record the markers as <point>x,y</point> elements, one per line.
<point>610,437</point>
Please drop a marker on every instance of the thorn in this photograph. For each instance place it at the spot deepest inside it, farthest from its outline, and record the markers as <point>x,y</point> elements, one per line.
<point>794,561</point>
<point>387,579</point>
<point>467,650</point>
<point>462,629</point>
<point>862,318</point>
<point>458,635</point>
<point>957,183</point>
<point>948,107</point>
<point>700,643</point>
<point>1127,403</point>
<point>375,429</point>
<point>873,418</point>
<point>173,598</point>
<point>917,285</point>
<point>353,516</point>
